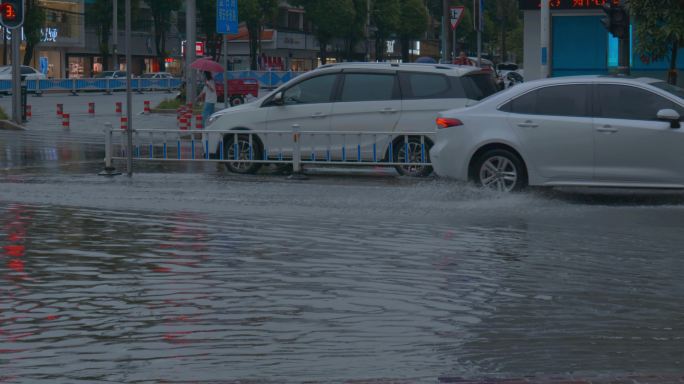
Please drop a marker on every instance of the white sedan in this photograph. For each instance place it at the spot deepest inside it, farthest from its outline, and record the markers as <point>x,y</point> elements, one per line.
<point>607,131</point>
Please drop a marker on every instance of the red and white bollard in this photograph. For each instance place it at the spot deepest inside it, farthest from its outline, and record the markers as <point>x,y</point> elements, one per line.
<point>119,108</point>
<point>183,122</point>
<point>180,112</point>
<point>91,109</point>
<point>65,120</point>
<point>147,109</point>
<point>199,123</point>
<point>29,114</point>
<point>124,123</point>
<point>60,110</point>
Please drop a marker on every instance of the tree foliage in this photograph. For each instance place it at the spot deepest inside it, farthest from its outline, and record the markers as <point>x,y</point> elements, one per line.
<point>412,24</point>
<point>385,17</point>
<point>98,15</point>
<point>255,14</point>
<point>659,30</point>
<point>34,20</point>
<point>161,16</point>
<point>331,19</point>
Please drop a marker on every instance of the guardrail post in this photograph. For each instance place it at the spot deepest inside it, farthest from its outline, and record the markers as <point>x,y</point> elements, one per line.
<point>140,86</point>
<point>38,93</point>
<point>109,169</point>
<point>108,91</point>
<point>73,88</point>
<point>168,85</point>
<point>296,154</point>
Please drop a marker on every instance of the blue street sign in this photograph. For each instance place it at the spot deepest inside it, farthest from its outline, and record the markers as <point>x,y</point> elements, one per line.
<point>226,17</point>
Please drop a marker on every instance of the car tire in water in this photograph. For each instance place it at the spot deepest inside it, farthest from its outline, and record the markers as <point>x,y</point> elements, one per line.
<point>499,170</point>
<point>243,153</point>
<point>416,154</point>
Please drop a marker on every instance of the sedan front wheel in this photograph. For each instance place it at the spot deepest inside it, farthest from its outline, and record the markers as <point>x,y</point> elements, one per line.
<point>500,170</point>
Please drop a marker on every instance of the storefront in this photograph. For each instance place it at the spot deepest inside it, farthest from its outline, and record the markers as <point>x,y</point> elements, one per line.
<point>579,45</point>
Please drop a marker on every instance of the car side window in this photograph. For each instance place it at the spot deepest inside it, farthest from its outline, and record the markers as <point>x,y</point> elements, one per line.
<point>556,100</point>
<point>431,86</point>
<point>27,71</point>
<point>625,102</point>
<point>525,104</point>
<point>311,91</point>
<point>368,87</point>
<point>563,100</point>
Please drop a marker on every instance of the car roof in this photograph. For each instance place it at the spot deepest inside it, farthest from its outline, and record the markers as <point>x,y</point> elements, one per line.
<point>458,70</point>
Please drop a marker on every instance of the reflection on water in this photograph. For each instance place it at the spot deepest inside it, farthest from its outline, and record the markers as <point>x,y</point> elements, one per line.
<point>90,295</point>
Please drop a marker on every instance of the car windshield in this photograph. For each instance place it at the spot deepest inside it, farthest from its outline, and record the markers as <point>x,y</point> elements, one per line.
<point>679,92</point>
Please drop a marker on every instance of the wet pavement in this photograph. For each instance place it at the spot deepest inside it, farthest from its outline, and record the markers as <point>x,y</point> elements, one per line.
<point>186,273</point>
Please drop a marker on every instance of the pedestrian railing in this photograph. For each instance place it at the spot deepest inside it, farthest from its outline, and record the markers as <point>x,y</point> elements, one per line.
<point>293,147</point>
<point>266,79</point>
<point>95,84</point>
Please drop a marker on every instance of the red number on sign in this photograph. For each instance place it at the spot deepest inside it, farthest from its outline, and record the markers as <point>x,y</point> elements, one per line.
<point>8,12</point>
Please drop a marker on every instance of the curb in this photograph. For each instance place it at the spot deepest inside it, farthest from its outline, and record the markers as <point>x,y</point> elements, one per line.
<point>11,126</point>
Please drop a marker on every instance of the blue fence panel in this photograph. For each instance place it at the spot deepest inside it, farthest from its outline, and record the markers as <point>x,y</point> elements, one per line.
<point>5,85</point>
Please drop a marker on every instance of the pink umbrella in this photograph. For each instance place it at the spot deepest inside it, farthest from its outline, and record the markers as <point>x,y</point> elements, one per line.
<point>207,65</point>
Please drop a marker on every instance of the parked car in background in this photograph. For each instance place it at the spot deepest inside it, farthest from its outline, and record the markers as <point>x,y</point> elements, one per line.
<point>509,73</point>
<point>156,75</point>
<point>350,97</point>
<point>27,73</point>
<point>111,75</point>
<point>574,131</point>
<point>239,90</point>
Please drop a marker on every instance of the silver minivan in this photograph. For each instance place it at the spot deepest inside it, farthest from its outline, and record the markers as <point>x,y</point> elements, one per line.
<point>349,97</point>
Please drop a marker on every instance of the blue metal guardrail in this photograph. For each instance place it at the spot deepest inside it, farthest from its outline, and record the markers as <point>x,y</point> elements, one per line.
<point>267,79</point>
<point>405,149</point>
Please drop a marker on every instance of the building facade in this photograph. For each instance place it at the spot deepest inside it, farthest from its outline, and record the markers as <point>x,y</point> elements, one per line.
<point>579,43</point>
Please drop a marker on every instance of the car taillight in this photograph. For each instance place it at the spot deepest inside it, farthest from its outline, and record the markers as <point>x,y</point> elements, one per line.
<point>446,122</point>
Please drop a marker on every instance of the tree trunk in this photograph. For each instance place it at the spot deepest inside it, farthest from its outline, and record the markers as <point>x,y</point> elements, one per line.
<point>672,74</point>
<point>380,49</point>
<point>4,46</point>
<point>253,35</point>
<point>405,42</point>
<point>28,53</point>
<point>504,54</point>
<point>323,52</point>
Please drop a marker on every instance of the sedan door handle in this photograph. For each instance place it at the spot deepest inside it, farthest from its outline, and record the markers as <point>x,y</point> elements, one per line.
<point>528,124</point>
<point>606,129</point>
<point>318,115</point>
<point>388,110</point>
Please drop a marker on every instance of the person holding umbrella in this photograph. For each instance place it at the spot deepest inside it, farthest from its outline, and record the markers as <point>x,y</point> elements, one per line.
<point>209,91</point>
<point>208,94</point>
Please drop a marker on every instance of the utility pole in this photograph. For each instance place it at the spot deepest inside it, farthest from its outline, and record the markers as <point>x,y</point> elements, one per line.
<point>545,37</point>
<point>190,25</point>
<point>115,35</point>
<point>367,30</point>
<point>16,76</point>
<point>445,35</point>
<point>129,94</point>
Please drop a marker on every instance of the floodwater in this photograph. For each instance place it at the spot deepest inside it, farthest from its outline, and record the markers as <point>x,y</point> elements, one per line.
<point>189,274</point>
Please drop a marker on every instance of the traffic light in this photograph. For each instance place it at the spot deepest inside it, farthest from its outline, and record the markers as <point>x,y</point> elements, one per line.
<point>12,13</point>
<point>617,20</point>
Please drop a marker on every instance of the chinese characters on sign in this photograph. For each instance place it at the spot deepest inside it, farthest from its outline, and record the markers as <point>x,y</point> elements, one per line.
<point>47,35</point>
<point>226,16</point>
<point>566,4</point>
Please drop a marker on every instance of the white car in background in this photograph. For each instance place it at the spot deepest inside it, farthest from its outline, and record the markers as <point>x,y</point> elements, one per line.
<point>349,97</point>
<point>605,131</point>
<point>27,73</point>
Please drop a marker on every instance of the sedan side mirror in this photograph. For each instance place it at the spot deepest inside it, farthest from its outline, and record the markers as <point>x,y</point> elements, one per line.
<point>670,115</point>
<point>278,99</point>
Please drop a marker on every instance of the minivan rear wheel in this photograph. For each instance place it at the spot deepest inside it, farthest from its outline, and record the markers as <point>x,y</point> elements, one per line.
<point>416,152</point>
<point>500,170</point>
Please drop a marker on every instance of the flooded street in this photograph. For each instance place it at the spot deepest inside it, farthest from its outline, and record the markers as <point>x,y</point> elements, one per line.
<point>186,273</point>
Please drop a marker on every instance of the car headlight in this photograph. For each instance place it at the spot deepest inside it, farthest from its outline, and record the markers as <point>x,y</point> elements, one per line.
<point>212,118</point>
